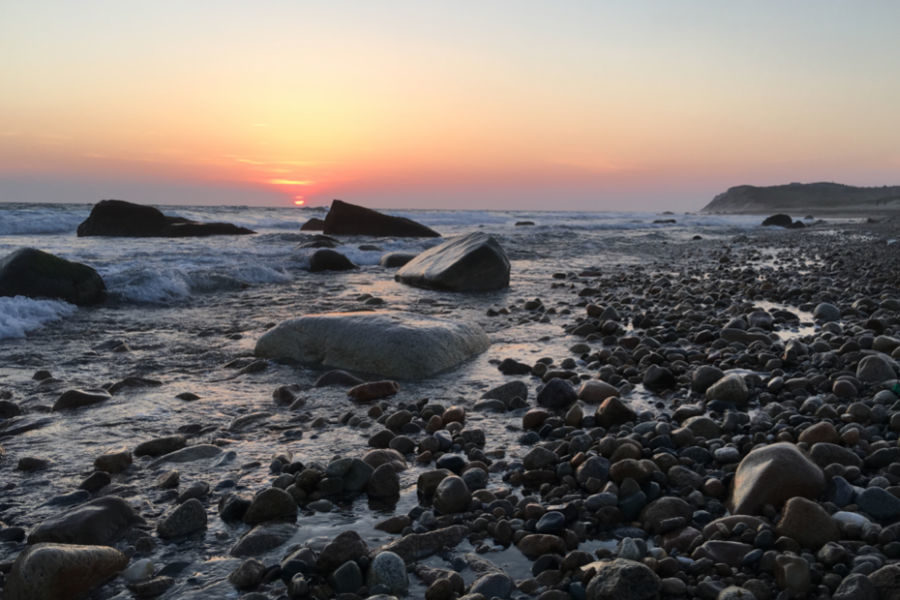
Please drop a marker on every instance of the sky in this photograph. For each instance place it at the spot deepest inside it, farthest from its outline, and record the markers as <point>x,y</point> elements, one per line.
<point>605,105</point>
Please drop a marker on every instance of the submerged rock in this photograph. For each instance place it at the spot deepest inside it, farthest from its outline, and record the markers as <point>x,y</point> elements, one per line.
<point>778,220</point>
<point>126,219</point>
<point>329,260</point>
<point>394,260</point>
<point>468,263</point>
<point>101,521</point>
<point>61,571</point>
<point>344,218</point>
<point>396,345</point>
<point>313,224</point>
<point>78,398</point>
<point>37,274</point>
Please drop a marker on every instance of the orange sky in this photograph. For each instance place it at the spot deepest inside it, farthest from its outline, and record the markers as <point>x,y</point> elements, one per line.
<point>513,104</point>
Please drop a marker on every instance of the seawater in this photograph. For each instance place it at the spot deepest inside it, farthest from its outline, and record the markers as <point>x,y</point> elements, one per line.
<point>176,272</point>
<point>187,313</point>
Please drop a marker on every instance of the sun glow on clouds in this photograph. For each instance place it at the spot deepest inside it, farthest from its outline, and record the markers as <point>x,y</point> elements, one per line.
<point>376,104</point>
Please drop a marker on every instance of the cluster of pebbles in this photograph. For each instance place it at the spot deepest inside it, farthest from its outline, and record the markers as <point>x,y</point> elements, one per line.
<point>726,421</point>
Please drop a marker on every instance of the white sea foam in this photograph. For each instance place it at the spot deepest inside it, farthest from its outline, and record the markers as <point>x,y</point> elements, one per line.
<point>171,285</point>
<point>19,315</point>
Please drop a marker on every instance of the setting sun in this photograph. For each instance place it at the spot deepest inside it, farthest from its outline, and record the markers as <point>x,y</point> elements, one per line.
<point>299,201</point>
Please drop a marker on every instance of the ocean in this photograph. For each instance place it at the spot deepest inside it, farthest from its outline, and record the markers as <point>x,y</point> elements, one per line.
<point>186,314</point>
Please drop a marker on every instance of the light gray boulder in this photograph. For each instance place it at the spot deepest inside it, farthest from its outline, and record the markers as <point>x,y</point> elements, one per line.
<point>395,345</point>
<point>468,263</point>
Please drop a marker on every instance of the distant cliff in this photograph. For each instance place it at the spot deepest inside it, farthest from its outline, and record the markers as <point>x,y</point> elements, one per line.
<point>806,197</point>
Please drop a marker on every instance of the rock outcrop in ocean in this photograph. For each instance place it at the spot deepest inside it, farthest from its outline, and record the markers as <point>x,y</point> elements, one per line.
<point>37,274</point>
<point>469,263</point>
<point>344,218</point>
<point>126,219</point>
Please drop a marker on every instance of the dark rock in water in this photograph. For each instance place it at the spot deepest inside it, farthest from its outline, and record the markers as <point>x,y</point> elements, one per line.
<point>269,505</point>
<point>557,394</point>
<point>493,585</point>
<point>113,462</point>
<point>329,260</point>
<point>313,224</point>
<point>151,588</point>
<point>524,223</point>
<point>779,220</point>
<point>347,578</point>
<point>373,390</point>
<point>452,495</point>
<point>126,219</point>
<point>320,241</point>
<point>9,409</point>
<point>98,522</point>
<point>160,446</point>
<point>32,463</point>
<point>95,481</point>
<point>61,571</point>
<point>510,366</point>
<point>36,274</point>
<point>348,545</point>
<point>183,520</point>
<point>78,398</point>
<point>613,411</point>
<point>507,392</point>
<point>129,382</point>
<point>344,218</point>
<point>384,484</point>
<point>658,379</point>
<point>664,221</point>
<point>394,260</point>
<point>468,263</point>
<point>262,538</point>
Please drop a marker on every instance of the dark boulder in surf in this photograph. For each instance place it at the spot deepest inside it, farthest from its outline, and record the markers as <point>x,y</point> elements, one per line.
<point>349,219</point>
<point>314,224</point>
<point>329,260</point>
<point>126,219</point>
<point>468,263</point>
<point>779,220</point>
<point>36,274</point>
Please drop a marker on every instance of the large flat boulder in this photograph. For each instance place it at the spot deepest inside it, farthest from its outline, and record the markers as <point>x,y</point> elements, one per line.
<point>394,345</point>
<point>126,219</point>
<point>773,474</point>
<point>344,218</point>
<point>468,263</point>
<point>37,274</point>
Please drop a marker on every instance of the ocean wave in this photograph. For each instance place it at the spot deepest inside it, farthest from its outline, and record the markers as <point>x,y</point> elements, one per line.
<point>171,285</point>
<point>19,315</point>
<point>17,219</point>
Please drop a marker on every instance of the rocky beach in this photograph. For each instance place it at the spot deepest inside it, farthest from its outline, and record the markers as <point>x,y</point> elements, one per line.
<point>677,407</point>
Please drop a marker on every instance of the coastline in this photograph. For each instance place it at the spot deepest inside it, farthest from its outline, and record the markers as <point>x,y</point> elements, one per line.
<point>592,481</point>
